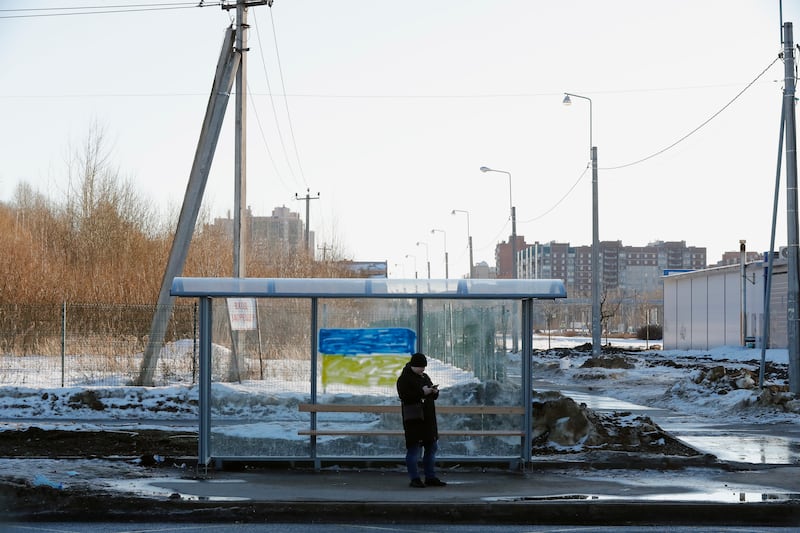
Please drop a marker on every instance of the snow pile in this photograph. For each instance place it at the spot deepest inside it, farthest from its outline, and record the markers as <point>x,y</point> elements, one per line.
<point>722,384</point>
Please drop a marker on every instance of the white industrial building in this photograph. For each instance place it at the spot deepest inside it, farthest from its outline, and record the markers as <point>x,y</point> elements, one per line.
<point>724,306</point>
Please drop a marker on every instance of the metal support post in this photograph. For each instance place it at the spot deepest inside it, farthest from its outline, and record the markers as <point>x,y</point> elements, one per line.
<point>792,316</point>
<point>596,325</point>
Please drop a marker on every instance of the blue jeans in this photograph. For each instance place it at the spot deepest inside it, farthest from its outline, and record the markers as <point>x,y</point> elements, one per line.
<point>428,459</point>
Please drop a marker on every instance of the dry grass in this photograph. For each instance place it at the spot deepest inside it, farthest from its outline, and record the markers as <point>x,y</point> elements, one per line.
<point>93,239</point>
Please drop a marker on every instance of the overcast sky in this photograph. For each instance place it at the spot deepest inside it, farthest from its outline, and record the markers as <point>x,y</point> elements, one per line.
<point>387,110</point>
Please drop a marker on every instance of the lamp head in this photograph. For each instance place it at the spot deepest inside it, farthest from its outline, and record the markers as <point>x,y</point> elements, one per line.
<point>485,169</point>
<point>567,100</point>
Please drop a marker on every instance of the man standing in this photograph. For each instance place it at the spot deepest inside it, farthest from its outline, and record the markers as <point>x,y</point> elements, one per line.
<point>417,396</point>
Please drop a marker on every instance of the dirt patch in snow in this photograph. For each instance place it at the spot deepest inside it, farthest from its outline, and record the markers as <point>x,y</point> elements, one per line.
<point>144,445</point>
<point>561,425</point>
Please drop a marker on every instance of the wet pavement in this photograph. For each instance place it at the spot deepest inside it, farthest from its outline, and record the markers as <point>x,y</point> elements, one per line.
<point>543,493</point>
<point>475,485</point>
<point>599,490</point>
<point>769,443</point>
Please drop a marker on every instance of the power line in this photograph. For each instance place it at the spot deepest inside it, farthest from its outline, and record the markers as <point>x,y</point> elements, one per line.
<point>698,128</point>
<point>537,217</point>
<point>102,95</point>
<point>488,96</point>
<point>272,103</point>
<point>285,100</point>
<point>494,240</point>
<point>264,137</point>
<point>73,8</point>
<point>380,96</point>
<point>712,117</point>
<point>99,10</point>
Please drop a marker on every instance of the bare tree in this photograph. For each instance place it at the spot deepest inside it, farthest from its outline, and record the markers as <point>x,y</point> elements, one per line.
<point>609,307</point>
<point>551,310</point>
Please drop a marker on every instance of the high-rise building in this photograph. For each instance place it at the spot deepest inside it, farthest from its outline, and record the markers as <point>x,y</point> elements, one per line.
<point>283,229</point>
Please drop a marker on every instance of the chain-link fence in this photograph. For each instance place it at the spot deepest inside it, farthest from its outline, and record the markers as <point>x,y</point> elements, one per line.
<point>73,344</point>
<point>91,344</point>
<point>261,375</point>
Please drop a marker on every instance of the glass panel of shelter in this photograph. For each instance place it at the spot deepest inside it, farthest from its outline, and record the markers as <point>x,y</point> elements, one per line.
<point>467,343</point>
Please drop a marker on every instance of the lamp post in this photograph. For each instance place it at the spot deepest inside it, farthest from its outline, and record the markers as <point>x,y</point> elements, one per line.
<point>595,235</point>
<point>415,264</point>
<point>513,221</point>
<point>514,343</point>
<point>427,257</point>
<point>446,267</point>
<point>469,241</point>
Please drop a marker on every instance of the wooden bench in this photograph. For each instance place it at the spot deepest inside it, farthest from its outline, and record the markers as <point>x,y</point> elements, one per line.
<point>395,409</point>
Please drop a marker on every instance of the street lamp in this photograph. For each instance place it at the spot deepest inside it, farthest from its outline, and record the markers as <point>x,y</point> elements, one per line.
<point>427,257</point>
<point>514,342</point>
<point>469,241</point>
<point>513,222</point>
<point>446,268</point>
<point>595,235</point>
<point>415,264</point>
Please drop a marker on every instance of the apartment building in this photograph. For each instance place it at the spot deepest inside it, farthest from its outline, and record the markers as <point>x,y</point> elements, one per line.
<point>626,268</point>
<point>283,228</point>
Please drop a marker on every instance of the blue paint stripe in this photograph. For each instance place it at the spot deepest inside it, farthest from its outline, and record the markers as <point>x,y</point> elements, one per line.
<point>363,341</point>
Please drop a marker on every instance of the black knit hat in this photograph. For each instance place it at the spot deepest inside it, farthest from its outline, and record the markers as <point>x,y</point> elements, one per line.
<point>418,360</point>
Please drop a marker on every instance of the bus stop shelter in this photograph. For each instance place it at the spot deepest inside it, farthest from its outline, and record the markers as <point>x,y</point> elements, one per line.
<point>366,326</point>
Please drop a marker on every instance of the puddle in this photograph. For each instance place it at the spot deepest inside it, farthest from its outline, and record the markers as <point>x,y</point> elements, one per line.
<point>720,497</point>
<point>744,448</point>
<point>545,498</point>
<point>152,487</point>
<point>765,444</point>
<point>726,497</point>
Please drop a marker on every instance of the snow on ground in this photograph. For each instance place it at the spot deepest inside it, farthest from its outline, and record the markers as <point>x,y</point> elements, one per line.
<point>85,406</point>
<point>674,379</point>
<point>660,379</point>
<point>268,409</point>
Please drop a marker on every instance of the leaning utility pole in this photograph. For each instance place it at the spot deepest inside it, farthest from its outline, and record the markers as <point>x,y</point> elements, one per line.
<point>792,316</point>
<point>228,67</point>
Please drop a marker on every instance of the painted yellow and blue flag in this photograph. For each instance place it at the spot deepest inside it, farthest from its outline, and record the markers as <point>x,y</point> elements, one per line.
<point>365,357</point>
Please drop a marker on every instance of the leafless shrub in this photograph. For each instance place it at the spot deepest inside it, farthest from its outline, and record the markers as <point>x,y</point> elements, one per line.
<point>93,246</point>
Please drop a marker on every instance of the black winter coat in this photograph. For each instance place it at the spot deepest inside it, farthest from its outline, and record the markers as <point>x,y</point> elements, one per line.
<point>409,388</point>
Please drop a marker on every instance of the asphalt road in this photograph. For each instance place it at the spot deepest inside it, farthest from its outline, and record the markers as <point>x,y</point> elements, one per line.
<point>164,527</point>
